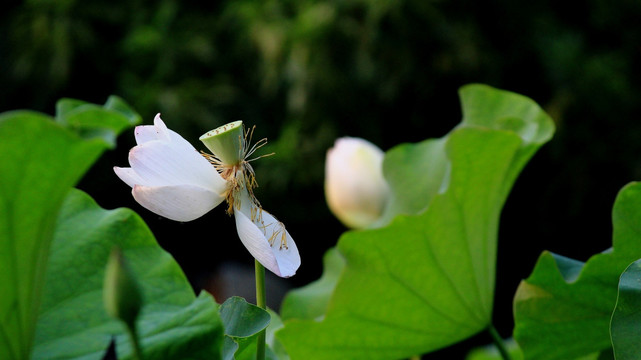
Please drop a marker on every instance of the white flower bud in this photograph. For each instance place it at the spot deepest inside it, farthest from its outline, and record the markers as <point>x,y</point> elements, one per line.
<point>354,186</point>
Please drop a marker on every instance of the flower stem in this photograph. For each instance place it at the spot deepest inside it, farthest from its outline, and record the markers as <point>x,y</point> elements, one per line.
<point>131,330</point>
<point>260,302</point>
<point>498,341</point>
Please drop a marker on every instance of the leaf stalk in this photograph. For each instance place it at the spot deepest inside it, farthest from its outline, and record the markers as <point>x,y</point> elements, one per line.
<point>498,341</point>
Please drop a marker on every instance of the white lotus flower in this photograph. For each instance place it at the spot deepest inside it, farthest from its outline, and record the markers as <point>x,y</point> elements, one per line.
<point>355,189</point>
<point>171,178</point>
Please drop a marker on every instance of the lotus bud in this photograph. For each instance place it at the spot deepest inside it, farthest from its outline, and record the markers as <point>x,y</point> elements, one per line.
<point>121,293</point>
<point>355,189</point>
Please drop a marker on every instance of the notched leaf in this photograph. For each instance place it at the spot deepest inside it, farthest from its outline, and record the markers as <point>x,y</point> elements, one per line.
<point>573,315</point>
<point>242,321</point>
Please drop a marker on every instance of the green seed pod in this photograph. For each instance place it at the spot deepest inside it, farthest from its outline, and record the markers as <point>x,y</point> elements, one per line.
<point>226,142</point>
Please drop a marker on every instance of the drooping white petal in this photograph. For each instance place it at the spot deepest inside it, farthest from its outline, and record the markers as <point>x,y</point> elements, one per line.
<point>160,163</point>
<point>286,252</point>
<point>177,202</point>
<point>255,242</point>
<point>128,175</point>
<point>266,239</point>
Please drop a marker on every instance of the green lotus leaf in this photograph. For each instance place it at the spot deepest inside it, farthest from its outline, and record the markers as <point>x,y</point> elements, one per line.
<point>94,121</point>
<point>625,326</point>
<point>242,321</point>
<point>310,302</point>
<point>73,323</point>
<point>426,280</point>
<point>566,305</point>
<point>41,161</point>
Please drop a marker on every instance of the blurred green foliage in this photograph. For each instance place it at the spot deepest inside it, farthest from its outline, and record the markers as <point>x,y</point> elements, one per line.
<point>308,71</point>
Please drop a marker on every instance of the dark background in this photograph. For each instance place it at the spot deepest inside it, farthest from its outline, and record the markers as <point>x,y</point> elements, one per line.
<point>307,72</point>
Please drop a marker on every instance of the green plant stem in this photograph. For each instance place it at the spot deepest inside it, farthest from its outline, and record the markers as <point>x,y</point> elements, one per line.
<point>498,341</point>
<point>131,330</point>
<point>260,302</point>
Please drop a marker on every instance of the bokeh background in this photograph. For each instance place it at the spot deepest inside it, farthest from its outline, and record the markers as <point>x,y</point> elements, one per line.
<point>306,72</point>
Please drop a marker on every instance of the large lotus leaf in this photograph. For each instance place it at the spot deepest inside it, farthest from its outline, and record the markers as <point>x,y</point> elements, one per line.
<point>73,324</point>
<point>566,305</point>
<point>39,162</point>
<point>426,281</point>
<point>418,172</point>
<point>625,326</point>
<point>310,302</point>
